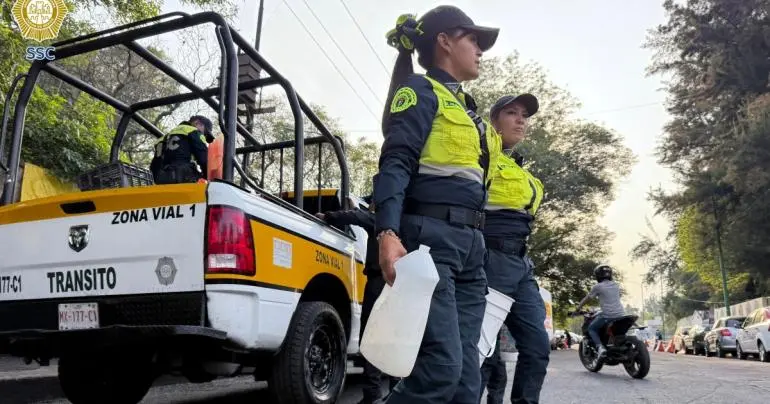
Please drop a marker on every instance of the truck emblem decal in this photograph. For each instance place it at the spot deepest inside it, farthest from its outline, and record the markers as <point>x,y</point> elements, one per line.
<point>166,271</point>
<point>79,237</point>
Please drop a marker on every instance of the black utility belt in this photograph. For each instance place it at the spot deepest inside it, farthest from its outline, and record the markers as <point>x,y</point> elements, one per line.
<point>449,213</point>
<point>507,245</point>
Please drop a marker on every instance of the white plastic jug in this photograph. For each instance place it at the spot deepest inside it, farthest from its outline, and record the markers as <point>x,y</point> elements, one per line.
<point>394,332</point>
<point>498,307</point>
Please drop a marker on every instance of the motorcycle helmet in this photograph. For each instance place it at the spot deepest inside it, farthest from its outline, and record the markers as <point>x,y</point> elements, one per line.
<point>602,272</point>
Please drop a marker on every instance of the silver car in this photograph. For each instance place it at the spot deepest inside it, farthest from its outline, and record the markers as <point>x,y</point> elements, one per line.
<point>721,338</point>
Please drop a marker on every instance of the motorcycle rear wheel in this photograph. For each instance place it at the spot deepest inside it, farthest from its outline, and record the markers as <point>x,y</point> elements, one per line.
<point>639,366</point>
<point>589,359</point>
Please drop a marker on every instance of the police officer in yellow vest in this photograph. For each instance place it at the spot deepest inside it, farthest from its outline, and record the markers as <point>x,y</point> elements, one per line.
<point>430,190</point>
<point>177,152</point>
<point>514,196</point>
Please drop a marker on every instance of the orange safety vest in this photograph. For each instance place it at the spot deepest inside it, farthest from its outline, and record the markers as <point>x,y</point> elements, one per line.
<point>215,158</point>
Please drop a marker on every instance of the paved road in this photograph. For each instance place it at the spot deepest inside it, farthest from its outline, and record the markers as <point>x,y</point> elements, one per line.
<point>673,379</point>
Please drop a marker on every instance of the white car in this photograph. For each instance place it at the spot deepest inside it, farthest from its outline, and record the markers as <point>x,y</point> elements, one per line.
<point>754,337</point>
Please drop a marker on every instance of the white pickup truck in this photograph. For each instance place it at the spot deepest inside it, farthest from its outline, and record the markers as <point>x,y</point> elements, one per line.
<point>124,284</point>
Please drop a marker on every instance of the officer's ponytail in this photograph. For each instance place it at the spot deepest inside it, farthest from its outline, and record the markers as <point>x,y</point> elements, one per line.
<point>402,38</point>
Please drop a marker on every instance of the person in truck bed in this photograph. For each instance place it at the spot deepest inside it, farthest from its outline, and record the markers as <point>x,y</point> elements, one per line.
<point>177,152</point>
<point>373,378</point>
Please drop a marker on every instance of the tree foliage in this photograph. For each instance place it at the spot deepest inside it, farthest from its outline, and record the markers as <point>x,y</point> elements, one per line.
<point>69,132</point>
<point>714,53</point>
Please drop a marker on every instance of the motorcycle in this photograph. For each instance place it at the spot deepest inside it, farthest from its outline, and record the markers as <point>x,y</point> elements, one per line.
<point>621,348</point>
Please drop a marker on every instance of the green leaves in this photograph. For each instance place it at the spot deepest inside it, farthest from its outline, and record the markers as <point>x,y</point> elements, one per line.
<point>715,52</point>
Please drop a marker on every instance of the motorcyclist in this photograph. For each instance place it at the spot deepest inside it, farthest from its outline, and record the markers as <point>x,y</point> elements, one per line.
<point>608,292</point>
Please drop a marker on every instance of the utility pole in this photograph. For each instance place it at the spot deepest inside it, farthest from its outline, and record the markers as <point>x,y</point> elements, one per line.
<point>642,298</point>
<point>717,228</point>
<point>662,308</point>
<point>251,109</point>
<point>260,12</point>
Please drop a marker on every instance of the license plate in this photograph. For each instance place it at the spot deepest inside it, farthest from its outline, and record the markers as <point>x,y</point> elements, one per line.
<point>78,316</point>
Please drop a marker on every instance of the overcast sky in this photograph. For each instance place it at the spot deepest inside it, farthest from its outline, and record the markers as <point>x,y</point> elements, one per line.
<point>590,47</point>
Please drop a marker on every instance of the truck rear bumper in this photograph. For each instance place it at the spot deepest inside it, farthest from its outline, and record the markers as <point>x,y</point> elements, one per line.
<point>52,343</point>
<point>31,327</point>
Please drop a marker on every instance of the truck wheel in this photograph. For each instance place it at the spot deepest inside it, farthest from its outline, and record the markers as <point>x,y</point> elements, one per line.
<point>117,378</point>
<point>311,366</point>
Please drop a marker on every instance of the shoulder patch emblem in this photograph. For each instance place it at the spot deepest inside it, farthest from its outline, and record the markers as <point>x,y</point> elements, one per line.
<point>453,104</point>
<point>404,99</point>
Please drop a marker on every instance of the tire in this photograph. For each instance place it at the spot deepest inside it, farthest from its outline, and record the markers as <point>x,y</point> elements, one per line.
<point>590,362</point>
<point>739,352</point>
<point>640,366</point>
<point>315,347</point>
<point>720,353</point>
<point>122,377</point>
<point>764,356</point>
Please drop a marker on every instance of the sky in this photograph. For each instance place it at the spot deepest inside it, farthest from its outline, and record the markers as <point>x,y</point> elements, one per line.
<point>592,48</point>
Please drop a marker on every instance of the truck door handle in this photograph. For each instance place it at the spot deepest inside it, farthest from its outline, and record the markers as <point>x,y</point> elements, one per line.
<point>74,208</point>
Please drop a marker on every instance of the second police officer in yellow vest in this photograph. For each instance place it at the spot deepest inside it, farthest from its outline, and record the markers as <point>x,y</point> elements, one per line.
<point>430,190</point>
<point>514,197</point>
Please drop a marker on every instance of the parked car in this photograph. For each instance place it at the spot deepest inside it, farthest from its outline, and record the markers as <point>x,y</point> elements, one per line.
<point>721,339</point>
<point>754,338</point>
<point>678,338</point>
<point>693,340</point>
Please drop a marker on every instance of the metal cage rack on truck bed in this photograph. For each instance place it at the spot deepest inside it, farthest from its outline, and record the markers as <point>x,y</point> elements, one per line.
<point>223,99</point>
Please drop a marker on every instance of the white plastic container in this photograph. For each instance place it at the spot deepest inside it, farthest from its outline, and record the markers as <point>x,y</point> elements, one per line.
<point>498,307</point>
<point>394,332</point>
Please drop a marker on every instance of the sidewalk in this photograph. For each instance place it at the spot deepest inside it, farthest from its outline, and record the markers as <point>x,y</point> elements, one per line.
<point>14,369</point>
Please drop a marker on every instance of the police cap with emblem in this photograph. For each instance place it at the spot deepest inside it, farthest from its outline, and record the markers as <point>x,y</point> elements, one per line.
<point>528,100</point>
<point>445,18</point>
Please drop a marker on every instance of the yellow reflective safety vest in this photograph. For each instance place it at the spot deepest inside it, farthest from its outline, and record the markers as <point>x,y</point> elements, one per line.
<point>453,147</point>
<point>513,187</point>
<point>183,130</point>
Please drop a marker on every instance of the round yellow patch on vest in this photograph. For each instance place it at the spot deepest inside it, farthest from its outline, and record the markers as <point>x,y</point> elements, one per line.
<point>404,99</point>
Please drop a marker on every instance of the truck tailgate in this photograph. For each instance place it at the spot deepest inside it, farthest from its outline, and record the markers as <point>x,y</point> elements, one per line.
<point>129,241</point>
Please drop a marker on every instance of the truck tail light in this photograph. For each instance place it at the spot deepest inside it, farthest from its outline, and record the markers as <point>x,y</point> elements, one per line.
<point>230,242</point>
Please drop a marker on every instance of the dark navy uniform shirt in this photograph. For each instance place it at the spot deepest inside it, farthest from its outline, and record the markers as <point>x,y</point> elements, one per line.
<point>405,137</point>
<point>179,149</point>
<point>365,220</point>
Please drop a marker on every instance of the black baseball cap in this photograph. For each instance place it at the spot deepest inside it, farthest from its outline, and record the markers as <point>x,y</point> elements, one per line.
<point>444,18</point>
<point>528,100</point>
<point>207,125</point>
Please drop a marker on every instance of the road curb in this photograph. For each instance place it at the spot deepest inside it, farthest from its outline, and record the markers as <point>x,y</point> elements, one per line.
<point>30,388</point>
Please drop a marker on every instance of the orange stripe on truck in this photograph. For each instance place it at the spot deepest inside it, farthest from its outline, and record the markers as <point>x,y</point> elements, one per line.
<point>309,258</point>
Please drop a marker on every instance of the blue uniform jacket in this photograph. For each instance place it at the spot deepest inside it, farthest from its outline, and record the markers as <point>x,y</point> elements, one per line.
<point>405,137</point>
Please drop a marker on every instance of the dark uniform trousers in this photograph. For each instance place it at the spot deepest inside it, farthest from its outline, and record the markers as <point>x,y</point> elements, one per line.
<point>447,367</point>
<point>509,272</point>
<point>494,375</point>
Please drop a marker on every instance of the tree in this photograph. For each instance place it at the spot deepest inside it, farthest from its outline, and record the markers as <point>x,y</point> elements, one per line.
<point>278,174</point>
<point>715,52</point>
<point>69,132</point>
